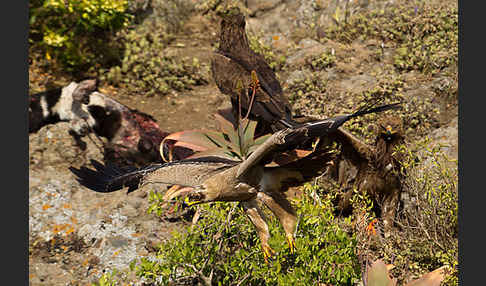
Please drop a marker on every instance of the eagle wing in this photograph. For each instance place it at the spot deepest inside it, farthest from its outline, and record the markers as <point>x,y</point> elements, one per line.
<point>191,173</point>
<point>290,138</point>
<point>351,143</point>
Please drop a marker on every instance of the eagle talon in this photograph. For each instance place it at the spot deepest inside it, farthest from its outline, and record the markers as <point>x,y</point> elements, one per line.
<point>190,203</point>
<point>267,253</point>
<point>291,243</point>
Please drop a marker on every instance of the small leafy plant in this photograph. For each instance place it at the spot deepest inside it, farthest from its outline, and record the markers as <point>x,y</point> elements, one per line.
<point>323,61</point>
<point>107,279</point>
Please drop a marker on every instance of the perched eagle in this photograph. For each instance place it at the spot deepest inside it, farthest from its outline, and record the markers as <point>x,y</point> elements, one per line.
<point>249,181</point>
<point>233,63</point>
<point>372,169</point>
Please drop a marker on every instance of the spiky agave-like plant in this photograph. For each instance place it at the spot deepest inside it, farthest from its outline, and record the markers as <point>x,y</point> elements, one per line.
<point>230,143</point>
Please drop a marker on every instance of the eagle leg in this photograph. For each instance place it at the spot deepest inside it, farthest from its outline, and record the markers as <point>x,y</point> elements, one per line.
<point>256,216</point>
<point>191,202</point>
<point>284,211</point>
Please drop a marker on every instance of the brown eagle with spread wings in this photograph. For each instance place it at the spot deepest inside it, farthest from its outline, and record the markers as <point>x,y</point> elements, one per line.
<point>248,181</point>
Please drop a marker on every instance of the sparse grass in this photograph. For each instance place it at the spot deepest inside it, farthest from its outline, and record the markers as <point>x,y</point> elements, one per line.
<point>144,68</point>
<point>424,35</point>
<point>429,226</point>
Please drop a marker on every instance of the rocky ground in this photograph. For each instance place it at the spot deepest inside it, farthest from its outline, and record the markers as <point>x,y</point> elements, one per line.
<point>75,235</point>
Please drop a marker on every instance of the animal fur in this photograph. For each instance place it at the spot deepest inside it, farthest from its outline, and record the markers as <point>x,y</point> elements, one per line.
<point>133,137</point>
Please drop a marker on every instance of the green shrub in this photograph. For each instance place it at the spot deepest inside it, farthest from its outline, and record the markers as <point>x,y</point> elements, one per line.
<point>309,84</point>
<point>419,113</point>
<point>223,246</point>
<point>323,61</point>
<point>306,88</point>
<point>432,42</point>
<point>76,33</point>
<point>425,236</point>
